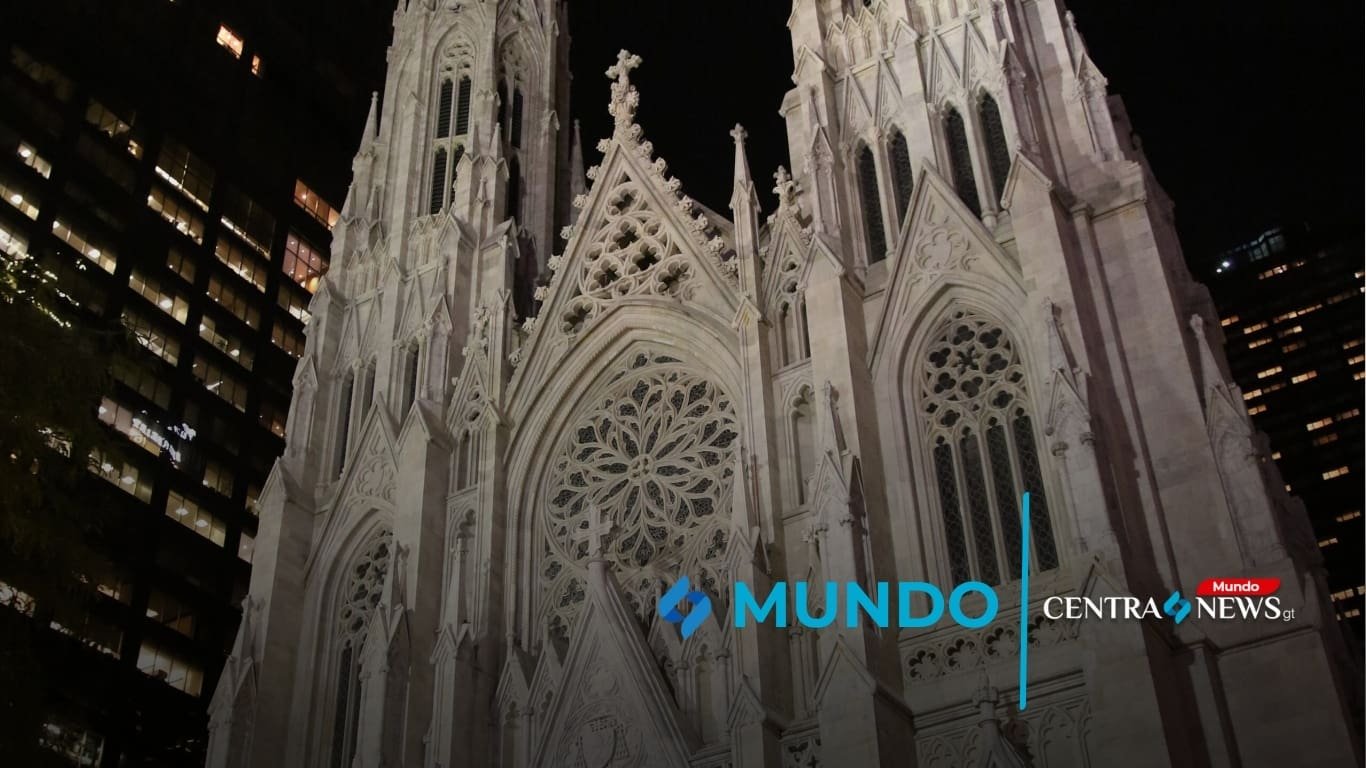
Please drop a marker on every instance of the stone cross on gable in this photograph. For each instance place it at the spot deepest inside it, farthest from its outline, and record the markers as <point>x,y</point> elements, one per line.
<point>739,133</point>
<point>621,71</point>
<point>625,99</point>
<point>600,528</point>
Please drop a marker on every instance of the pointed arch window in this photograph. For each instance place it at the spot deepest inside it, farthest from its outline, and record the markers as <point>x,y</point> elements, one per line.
<point>443,110</point>
<point>872,206</point>
<point>368,392</point>
<point>903,178</point>
<point>438,189</point>
<point>344,398</point>
<point>462,107</point>
<point>515,130</point>
<point>452,124</point>
<point>503,105</point>
<point>803,436</point>
<point>412,356</point>
<point>960,160</point>
<point>998,151</point>
<point>976,416</point>
<point>363,583</point>
<point>514,189</point>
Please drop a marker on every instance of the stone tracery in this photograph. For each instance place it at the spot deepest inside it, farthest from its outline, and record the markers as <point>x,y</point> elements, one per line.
<point>655,456</point>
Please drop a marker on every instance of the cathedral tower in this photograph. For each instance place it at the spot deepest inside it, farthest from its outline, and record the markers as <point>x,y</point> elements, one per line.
<point>500,456</point>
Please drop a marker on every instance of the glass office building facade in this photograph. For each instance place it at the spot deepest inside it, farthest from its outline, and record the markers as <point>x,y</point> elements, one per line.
<point>171,168</point>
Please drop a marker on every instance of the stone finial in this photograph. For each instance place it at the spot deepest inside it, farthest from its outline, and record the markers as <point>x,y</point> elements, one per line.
<point>625,98</point>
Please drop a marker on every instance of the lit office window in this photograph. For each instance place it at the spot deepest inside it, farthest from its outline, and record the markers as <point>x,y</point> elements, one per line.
<point>246,550</point>
<point>219,382</point>
<point>161,664</point>
<point>166,301</point>
<point>304,264</point>
<point>294,305</point>
<point>273,418</point>
<point>77,746</point>
<point>12,244</point>
<point>230,40</point>
<point>16,599</point>
<point>190,514</point>
<point>185,171</point>
<point>1269,372</point>
<point>181,263</point>
<point>106,260</point>
<point>226,342</point>
<point>317,207</point>
<point>242,261</point>
<point>285,338</point>
<point>16,197</point>
<point>1303,377</point>
<point>116,127</point>
<point>178,214</point>
<point>218,478</point>
<point>1335,473</point>
<point>248,220</point>
<point>170,612</point>
<point>161,344</point>
<point>234,302</point>
<point>256,65</point>
<point>124,476</point>
<point>30,157</point>
<point>1256,409</point>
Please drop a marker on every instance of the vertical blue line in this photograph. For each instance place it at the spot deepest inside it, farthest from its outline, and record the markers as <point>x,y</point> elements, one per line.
<point>1024,601</point>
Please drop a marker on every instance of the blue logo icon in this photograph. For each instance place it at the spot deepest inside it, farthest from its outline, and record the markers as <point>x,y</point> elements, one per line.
<point>1177,607</point>
<point>698,613</point>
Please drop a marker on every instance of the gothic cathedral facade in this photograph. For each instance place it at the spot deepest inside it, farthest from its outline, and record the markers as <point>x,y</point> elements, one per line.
<point>533,396</point>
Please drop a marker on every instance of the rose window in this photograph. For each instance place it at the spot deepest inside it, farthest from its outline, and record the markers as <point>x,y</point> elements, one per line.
<point>646,471</point>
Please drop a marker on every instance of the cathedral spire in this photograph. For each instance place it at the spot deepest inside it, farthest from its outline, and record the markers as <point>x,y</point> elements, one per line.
<point>372,119</point>
<point>578,183</point>
<point>744,203</point>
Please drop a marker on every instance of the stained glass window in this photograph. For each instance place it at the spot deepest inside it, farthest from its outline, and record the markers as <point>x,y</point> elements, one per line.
<point>872,206</point>
<point>974,411</point>
<point>960,160</point>
<point>903,178</point>
<point>348,391</point>
<point>438,196</point>
<point>443,111</point>
<point>364,587</point>
<point>998,152</point>
<point>462,108</point>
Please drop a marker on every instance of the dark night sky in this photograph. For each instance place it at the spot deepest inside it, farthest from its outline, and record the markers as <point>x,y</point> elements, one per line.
<point>1250,112</point>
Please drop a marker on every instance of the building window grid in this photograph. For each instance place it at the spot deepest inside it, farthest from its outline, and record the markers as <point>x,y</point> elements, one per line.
<point>178,215</point>
<point>243,262</point>
<point>186,172</point>
<point>304,264</point>
<point>167,301</point>
<point>230,41</point>
<point>227,342</point>
<point>317,207</point>
<point>101,257</point>
<point>171,613</point>
<point>221,383</point>
<point>234,303</point>
<point>194,516</point>
<point>28,155</point>
<point>151,338</point>
<point>161,664</point>
<point>16,197</point>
